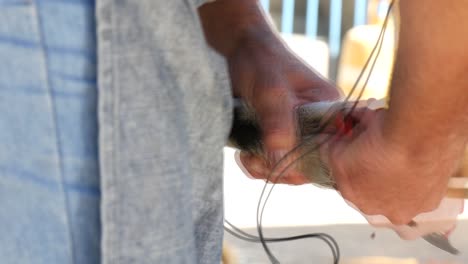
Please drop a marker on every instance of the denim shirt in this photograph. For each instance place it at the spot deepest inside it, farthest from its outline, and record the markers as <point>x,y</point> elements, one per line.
<point>164,116</point>
<point>113,116</point>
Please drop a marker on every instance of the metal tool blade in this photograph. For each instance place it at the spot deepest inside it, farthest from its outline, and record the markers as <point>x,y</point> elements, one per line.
<point>440,241</point>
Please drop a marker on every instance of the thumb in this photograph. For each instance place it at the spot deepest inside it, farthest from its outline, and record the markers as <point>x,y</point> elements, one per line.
<point>278,122</point>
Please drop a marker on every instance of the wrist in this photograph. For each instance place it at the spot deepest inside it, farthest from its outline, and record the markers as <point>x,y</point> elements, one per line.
<point>229,24</point>
<point>424,147</point>
<point>253,33</point>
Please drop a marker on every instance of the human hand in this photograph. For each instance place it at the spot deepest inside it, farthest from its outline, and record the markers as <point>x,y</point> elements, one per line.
<point>273,82</point>
<point>381,178</point>
<point>266,75</point>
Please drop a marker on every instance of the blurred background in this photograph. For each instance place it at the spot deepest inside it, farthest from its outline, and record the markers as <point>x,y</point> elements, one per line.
<point>335,37</point>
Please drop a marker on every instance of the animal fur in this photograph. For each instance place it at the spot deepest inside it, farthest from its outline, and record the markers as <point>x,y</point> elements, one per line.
<point>246,136</point>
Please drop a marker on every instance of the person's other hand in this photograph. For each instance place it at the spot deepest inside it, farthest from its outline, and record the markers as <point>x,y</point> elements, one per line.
<point>274,81</point>
<point>381,178</point>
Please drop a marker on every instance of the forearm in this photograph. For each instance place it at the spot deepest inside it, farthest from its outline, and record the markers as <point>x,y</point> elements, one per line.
<point>229,23</point>
<point>429,93</point>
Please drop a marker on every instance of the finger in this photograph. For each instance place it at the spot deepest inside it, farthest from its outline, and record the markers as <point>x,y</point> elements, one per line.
<point>293,177</point>
<point>313,88</point>
<point>252,166</point>
<point>407,233</point>
<point>276,112</point>
<point>256,168</point>
<point>448,210</point>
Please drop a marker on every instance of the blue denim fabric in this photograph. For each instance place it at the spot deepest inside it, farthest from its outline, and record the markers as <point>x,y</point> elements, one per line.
<point>49,175</point>
<point>164,116</point>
